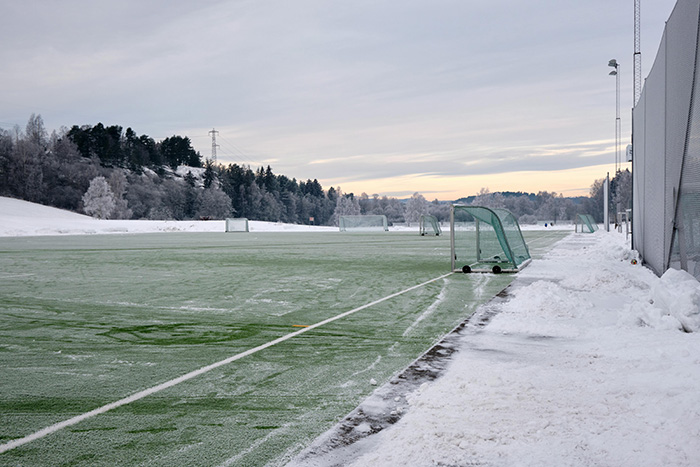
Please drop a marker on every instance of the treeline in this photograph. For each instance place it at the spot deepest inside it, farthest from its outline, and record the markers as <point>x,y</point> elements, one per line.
<point>115,148</point>
<point>106,172</point>
<point>135,177</point>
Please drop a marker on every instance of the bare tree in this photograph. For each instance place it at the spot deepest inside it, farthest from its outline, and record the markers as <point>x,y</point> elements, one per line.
<point>214,204</point>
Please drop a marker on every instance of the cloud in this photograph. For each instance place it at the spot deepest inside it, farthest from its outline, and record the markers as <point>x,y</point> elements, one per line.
<point>334,90</point>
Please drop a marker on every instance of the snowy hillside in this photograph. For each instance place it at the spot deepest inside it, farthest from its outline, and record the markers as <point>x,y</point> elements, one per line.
<point>20,218</point>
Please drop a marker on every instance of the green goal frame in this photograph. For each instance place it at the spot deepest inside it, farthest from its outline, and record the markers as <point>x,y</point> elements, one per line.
<point>587,223</point>
<point>429,225</point>
<point>496,245</point>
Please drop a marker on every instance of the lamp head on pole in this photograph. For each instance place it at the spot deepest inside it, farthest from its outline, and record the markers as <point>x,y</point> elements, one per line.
<point>613,73</point>
<point>613,63</point>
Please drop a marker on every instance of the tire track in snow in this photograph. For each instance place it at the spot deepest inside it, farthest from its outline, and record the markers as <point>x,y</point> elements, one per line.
<point>430,310</point>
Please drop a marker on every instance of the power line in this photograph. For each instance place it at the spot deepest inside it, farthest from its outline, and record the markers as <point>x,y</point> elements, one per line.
<point>237,153</point>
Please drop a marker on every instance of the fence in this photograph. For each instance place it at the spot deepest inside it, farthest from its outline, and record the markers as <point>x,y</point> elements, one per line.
<point>666,150</point>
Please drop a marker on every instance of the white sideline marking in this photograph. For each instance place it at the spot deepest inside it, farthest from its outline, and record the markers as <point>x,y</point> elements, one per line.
<point>168,384</point>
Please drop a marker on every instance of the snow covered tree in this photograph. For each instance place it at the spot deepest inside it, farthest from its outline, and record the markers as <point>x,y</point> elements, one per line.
<point>214,204</point>
<point>416,206</point>
<point>98,200</point>
<point>118,184</point>
<point>346,205</point>
<point>490,200</point>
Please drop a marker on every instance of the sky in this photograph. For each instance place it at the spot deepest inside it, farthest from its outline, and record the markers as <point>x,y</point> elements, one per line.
<point>441,97</point>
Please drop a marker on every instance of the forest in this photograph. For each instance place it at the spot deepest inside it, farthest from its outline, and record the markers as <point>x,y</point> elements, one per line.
<point>109,172</point>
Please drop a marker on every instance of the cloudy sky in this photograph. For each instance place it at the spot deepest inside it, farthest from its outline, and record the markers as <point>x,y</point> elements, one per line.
<point>443,97</point>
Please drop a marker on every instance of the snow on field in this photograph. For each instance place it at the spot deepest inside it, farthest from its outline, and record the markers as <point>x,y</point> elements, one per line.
<point>591,360</point>
<point>586,364</point>
<point>21,218</point>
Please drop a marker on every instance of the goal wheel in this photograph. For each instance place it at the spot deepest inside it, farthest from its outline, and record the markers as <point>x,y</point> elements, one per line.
<point>497,269</point>
<point>466,269</point>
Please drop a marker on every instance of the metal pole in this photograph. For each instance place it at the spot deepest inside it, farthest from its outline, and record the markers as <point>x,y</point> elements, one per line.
<point>618,129</point>
<point>616,72</point>
<point>606,202</point>
<point>452,235</point>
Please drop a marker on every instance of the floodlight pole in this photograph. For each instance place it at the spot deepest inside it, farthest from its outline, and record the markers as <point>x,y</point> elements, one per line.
<point>616,73</point>
<point>637,53</point>
<point>452,236</point>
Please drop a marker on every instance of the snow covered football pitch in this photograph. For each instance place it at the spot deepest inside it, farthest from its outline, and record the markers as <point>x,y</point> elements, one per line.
<point>87,321</point>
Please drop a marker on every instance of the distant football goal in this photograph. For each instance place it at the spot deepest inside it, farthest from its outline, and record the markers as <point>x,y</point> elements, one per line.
<point>486,240</point>
<point>237,225</point>
<point>363,223</point>
<point>588,225</point>
<point>429,225</point>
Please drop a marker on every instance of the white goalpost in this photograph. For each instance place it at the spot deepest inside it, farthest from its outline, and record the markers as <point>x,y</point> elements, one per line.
<point>366,223</point>
<point>237,224</point>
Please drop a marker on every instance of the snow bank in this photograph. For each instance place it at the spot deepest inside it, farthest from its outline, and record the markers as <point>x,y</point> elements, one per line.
<point>673,302</point>
<point>585,364</point>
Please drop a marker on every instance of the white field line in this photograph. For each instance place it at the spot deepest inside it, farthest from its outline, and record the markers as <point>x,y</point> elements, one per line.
<point>168,384</point>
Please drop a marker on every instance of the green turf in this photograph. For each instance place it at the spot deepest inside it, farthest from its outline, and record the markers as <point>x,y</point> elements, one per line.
<point>88,320</point>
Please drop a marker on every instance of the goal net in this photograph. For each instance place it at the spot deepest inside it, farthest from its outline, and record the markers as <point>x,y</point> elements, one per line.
<point>588,225</point>
<point>429,225</point>
<point>486,240</point>
<point>237,225</point>
<point>359,223</point>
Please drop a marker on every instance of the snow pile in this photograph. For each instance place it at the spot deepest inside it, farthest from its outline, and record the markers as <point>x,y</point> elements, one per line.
<point>674,303</point>
<point>585,364</point>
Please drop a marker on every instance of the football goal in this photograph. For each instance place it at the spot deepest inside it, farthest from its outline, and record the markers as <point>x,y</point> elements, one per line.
<point>237,225</point>
<point>486,240</point>
<point>359,223</point>
<point>429,225</point>
<point>588,225</point>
